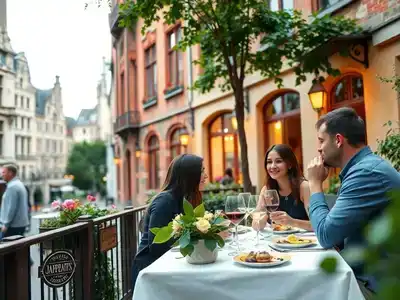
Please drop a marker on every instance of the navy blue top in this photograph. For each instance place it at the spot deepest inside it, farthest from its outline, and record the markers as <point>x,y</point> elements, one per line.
<point>164,207</point>
<point>294,209</point>
<point>365,181</point>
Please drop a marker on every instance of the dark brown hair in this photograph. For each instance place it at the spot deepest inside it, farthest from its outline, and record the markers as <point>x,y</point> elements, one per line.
<point>294,171</point>
<point>183,177</point>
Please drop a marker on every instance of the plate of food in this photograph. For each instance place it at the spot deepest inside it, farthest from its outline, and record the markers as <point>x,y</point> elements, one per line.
<point>293,241</point>
<point>283,229</point>
<point>260,259</point>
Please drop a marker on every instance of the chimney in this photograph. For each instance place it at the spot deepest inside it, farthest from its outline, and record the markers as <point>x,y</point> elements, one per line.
<point>57,77</point>
<point>3,15</point>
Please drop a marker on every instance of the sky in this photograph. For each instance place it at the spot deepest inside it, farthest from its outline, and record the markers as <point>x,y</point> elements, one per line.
<point>60,37</point>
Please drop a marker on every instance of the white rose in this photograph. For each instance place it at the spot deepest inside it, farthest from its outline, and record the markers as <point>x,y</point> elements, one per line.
<point>178,217</point>
<point>176,226</point>
<point>203,225</point>
<point>208,216</point>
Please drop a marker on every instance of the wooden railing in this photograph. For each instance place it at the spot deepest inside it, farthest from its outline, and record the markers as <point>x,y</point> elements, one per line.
<point>90,260</point>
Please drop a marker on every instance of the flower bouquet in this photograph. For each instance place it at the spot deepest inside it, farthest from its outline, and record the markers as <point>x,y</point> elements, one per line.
<point>197,233</point>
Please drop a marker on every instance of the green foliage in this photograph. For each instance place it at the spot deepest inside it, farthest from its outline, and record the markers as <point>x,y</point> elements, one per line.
<point>389,147</point>
<point>71,210</point>
<point>383,237</point>
<point>228,33</point>
<point>394,81</point>
<point>334,185</point>
<point>87,163</point>
<point>192,226</point>
<point>216,201</point>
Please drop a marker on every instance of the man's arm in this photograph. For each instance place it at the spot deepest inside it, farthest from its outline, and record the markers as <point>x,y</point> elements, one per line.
<point>360,196</point>
<point>9,206</point>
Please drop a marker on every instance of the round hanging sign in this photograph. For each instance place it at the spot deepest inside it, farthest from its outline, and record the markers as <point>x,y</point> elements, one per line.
<point>58,268</point>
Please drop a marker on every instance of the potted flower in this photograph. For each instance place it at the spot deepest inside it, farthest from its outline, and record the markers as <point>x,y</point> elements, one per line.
<point>70,210</point>
<point>197,232</point>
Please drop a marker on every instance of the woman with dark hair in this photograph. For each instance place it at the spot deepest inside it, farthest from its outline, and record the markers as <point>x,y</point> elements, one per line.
<point>185,178</point>
<point>283,174</point>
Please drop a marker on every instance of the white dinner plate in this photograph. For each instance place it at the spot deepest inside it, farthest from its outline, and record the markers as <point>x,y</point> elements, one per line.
<point>293,230</point>
<point>311,242</point>
<point>279,259</point>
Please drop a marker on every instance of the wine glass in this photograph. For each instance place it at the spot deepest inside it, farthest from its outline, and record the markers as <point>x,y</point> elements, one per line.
<point>271,200</point>
<point>246,198</point>
<point>235,210</point>
<point>259,213</point>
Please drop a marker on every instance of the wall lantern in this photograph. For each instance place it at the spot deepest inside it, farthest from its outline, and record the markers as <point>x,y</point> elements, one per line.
<point>184,137</point>
<point>317,95</point>
<point>117,160</point>
<point>234,121</point>
<point>138,151</point>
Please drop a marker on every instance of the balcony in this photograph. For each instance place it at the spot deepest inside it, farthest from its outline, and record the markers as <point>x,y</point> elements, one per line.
<point>126,123</point>
<point>113,19</point>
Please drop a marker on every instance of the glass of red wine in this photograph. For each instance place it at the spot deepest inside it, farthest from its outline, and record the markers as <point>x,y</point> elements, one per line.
<point>235,210</point>
<point>271,200</point>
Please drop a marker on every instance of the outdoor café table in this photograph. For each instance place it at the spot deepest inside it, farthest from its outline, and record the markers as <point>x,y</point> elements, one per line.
<point>170,278</point>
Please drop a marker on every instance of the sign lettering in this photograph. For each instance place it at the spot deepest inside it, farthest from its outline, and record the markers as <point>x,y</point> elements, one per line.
<point>58,269</point>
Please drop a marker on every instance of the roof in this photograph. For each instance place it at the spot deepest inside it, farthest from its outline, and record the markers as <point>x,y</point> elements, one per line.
<point>41,98</point>
<point>87,117</point>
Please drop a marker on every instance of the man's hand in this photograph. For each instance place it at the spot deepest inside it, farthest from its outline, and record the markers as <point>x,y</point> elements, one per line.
<point>3,229</point>
<point>317,172</point>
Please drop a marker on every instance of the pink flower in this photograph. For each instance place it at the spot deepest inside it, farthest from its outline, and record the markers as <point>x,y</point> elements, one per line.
<point>91,198</point>
<point>69,204</point>
<point>113,206</point>
<point>56,204</point>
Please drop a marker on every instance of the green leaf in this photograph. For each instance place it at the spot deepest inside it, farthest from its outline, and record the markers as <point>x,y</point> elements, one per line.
<point>329,265</point>
<point>163,235</point>
<point>188,208</point>
<point>155,230</point>
<point>380,230</point>
<point>187,250</point>
<point>219,240</point>
<point>199,211</point>
<point>184,240</point>
<point>210,244</point>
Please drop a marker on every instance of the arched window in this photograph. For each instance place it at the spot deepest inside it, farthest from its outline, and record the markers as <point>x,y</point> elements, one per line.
<point>349,91</point>
<point>175,146</point>
<point>224,148</point>
<point>154,162</point>
<point>282,122</point>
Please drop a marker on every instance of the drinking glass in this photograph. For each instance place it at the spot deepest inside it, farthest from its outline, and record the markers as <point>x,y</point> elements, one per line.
<point>235,210</point>
<point>246,198</point>
<point>271,201</point>
<point>257,215</point>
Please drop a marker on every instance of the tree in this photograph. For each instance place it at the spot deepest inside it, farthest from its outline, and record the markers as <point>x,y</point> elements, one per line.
<point>87,163</point>
<point>229,31</point>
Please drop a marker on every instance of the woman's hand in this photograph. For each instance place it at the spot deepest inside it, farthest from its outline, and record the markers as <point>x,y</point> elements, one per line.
<point>281,217</point>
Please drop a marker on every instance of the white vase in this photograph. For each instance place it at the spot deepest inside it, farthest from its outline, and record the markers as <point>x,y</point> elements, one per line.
<point>202,255</point>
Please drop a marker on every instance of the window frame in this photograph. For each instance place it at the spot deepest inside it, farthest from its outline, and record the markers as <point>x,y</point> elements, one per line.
<point>150,65</point>
<point>236,166</point>
<point>180,149</point>
<point>177,56</point>
<point>349,88</point>
<point>153,152</point>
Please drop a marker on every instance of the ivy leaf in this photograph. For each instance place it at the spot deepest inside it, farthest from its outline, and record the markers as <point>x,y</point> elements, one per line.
<point>188,208</point>
<point>155,230</point>
<point>163,235</point>
<point>329,265</point>
<point>199,211</point>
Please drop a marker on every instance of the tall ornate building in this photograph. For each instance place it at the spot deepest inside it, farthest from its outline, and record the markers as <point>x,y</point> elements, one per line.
<point>32,123</point>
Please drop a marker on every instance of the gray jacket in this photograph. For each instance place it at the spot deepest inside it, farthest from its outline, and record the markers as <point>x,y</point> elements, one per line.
<point>14,207</point>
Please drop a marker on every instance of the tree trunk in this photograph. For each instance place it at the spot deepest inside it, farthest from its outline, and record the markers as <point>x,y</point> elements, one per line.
<point>239,110</point>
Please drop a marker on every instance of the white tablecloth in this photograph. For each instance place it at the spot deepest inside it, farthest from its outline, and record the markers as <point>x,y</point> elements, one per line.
<point>170,278</point>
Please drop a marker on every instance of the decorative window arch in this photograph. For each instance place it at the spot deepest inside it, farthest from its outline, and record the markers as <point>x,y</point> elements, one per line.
<point>348,91</point>
<point>282,122</point>
<point>153,146</point>
<point>224,149</point>
<point>175,145</point>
